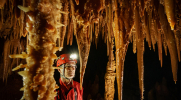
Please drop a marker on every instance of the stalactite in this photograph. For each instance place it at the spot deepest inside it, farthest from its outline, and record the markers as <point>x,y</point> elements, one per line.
<point>140,48</point>
<point>69,31</point>
<point>103,33</point>
<point>105,37</point>
<point>84,47</point>
<point>107,14</point>
<point>17,10</point>
<point>146,24</point>
<point>152,31</point>
<point>108,47</point>
<point>91,26</point>
<point>6,58</point>
<point>164,44</point>
<point>65,18</point>
<point>15,51</point>
<point>170,12</point>
<point>177,44</point>
<point>27,41</point>
<point>73,16</point>
<point>10,13</point>
<point>2,3</point>
<point>2,17</point>
<point>159,43</point>
<point>17,35</point>
<point>89,31</point>
<point>77,2</point>
<point>155,28</point>
<point>127,16</point>
<point>180,44</point>
<point>103,25</point>
<point>96,31</point>
<point>109,23</point>
<point>71,34</point>
<point>142,33</point>
<point>137,24</point>
<point>170,39</point>
<point>131,37</point>
<point>100,23</point>
<point>22,20</point>
<point>142,7</point>
<point>96,41</point>
<point>134,42</point>
<point>1,24</point>
<point>119,55</point>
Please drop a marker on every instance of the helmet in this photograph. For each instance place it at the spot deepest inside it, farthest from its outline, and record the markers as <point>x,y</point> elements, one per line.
<point>65,58</point>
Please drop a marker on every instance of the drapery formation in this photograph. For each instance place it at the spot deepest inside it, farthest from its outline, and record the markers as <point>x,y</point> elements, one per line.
<point>46,23</point>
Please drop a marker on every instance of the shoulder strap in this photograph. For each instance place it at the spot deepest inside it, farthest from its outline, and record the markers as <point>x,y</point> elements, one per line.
<point>75,93</point>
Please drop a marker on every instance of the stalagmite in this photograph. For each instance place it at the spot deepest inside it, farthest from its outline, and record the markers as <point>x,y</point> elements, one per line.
<point>110,75</point>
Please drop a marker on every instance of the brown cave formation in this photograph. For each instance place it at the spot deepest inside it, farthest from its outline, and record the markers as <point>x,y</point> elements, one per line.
<point>46,24</point>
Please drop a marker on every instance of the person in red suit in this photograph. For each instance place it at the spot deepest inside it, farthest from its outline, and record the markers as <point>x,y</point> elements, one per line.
<point>68,88</point>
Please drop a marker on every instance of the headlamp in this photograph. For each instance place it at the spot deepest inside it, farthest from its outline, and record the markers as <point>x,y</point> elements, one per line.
<point>73,56</point>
